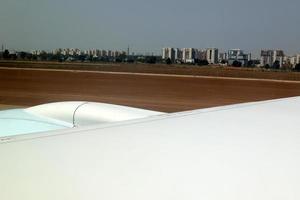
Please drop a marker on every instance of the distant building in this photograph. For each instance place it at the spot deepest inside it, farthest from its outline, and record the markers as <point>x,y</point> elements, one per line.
<point>55,51</point>
<point>36,52</point>
<point>298,59</point>
<point>103,53</point>
<point>212,55</point>
<point>113,54</point>
<point>109,53</point>
<point>188,55</point>
<point>238,55</point>
<point>223,57</point>
<point>294,60</point>
<point>71,52</point>
<point>168,53</point>
<point>269,57</point>
<point>178,54</point>
<point>200,54</point>
<point>78,52</point>
<point>94,52</point>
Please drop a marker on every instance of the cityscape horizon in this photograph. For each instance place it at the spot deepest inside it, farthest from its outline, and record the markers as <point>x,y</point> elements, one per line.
<point>148,27</point>
<point>157,52</point>
<point>269,58</point>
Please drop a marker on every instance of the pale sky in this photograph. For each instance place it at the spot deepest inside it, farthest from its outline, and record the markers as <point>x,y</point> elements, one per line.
<point>147,26</point>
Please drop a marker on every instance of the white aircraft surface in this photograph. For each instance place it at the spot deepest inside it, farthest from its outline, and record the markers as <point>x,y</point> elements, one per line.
<point>96,151</point>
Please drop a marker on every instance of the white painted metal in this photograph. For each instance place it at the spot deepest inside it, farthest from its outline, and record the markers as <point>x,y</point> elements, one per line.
<point>87,113</point>
<point>18,121</point>
<point>247,151</point>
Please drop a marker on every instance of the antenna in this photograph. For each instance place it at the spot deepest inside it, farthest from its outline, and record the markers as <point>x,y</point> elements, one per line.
<point>128,51</point>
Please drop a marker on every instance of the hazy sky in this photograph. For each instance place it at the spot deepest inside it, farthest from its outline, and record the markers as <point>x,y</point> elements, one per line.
<point>147,26</point>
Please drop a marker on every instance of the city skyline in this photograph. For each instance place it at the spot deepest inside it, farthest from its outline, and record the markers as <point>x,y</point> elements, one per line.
<point>158,52</point>
<point>149,26</point>
<point>128,49</point>
<point>275,58</point>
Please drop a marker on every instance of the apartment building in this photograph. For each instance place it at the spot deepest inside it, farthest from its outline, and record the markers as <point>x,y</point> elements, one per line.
<point>188,55</point>
<point>238,55</point>
<point>269,57</point>
<point>168,53</point>
<point>212,55</point>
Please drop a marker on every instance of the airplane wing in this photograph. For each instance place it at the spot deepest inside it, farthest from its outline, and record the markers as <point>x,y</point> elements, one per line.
<point>245,151</point>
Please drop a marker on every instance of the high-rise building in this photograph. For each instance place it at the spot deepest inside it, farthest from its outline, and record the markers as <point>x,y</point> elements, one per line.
<point>78,52</point>
<point>212,55</point>
<point>178,54</point>
<point>109,53</point>
<point>239,56</point>
<point>269,57</point>
<point>294,60</point>
<point>188,55</point>
<point>168,53</point>
<point>103,53</point>
<point>200,54</point>
<point>223,56</point>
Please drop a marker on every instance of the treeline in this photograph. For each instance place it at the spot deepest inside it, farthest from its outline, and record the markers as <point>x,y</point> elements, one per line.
<point>44,56</point>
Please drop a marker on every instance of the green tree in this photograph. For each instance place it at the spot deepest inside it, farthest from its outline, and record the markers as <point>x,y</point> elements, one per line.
<point>23,55</point>
<point>250,63</point>
<point>118,60</point>
<point>267,66</point>
<point>13,56</point>
<point>43,55</point>
<point>6,54</point>
<point>297,67</point>
<point>29,56</point>
<point>276,65</point>
<point>168,61</point>
<point>150,60</point>
<point>236,64</point>
<point>223,61</point>
<point>34,57</point>
<point>201,62</point>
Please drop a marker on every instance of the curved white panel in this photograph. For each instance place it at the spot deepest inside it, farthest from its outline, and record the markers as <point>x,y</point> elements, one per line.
<point>61,111</point>
<point>86,113</point>
<point>90,113</point>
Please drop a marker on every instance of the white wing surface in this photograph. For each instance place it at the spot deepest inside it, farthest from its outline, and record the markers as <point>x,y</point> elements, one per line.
<point>64,115</point>
<point>247,151</point>
<point>82,113</point>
